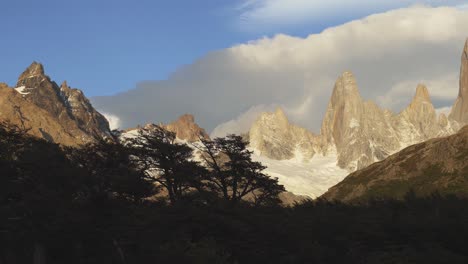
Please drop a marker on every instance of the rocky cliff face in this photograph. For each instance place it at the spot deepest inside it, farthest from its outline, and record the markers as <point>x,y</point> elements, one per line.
<point>79,107</point>
<point>274,137</point>
<point>62,115</point>
<point>460,108</point>
<point>16,110</point>
<point>186,129</point>
<point>358,132</point>
<point>436,165</point>
<point>419,122</point>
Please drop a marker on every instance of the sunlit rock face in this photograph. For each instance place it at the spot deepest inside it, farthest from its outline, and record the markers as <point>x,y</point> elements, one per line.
<point>57,114</point>
<point>460,109</point>
<point>186,129</point>
<point>357,132</point>
<point>274,137</point>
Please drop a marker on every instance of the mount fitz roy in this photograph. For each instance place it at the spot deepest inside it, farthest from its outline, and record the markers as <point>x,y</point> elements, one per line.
<point>355,133</point>
<point>437,165</point>
<point>358,132</point>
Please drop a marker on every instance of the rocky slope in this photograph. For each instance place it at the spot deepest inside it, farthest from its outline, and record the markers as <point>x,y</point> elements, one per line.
<point>58,114</point>
<point>436,165</point>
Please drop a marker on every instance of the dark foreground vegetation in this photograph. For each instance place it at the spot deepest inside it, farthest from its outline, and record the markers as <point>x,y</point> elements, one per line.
<point>99,204</point>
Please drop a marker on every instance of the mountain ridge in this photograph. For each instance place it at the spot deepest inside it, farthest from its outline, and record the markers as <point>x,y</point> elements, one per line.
<point>437,165</point>
<point>58,114</point>
<point>358,131</point>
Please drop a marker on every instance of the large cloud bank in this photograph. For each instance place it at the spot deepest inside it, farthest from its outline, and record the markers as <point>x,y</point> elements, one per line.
<point>389,53</point>
<point>266,14</point>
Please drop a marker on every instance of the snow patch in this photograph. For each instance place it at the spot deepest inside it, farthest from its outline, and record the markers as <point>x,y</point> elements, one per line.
<point>354,123</point>
<point>21,90</point>
<point>312,178</point>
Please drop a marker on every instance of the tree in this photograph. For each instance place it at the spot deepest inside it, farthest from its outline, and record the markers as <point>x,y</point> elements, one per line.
<point>167,163</point>
<point>12,140</point>
<point>111,171</point>
<point>234,175</point>
<point>37,187</point>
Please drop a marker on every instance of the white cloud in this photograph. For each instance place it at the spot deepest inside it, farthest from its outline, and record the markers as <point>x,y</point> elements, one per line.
<point>242,123</point>
<point>114,121</point>
<point>389,54</point>
<point>263,14</point>
<point>442,89</point>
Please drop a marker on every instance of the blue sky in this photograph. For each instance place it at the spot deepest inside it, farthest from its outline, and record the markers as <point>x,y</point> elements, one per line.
<point>107,46</point>
<point>104,47</point>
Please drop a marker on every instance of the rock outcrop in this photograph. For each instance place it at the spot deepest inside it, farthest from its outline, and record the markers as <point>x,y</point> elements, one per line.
<point>459,111</point>
<point>186,129</point>
<point>439,164</point>
<point>418,122</point>
<point>274,137</point>
<point>358,132</point>
<point>79,107</point>
<point>58,114</point>
<point>16,110</point>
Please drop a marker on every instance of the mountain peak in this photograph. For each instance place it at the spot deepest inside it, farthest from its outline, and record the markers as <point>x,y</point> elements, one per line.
<point>279,113</point>
<point>421,114</point>
<point>35,69</point>
<point>186,128</point>
<point>348,82</point>
<point>346,90</point>
<point>186,118</point>
<point>29,76</point>
<point>459,111</point>
<point>274,137</point>
<point>64,84</point>
<point>422,93</point>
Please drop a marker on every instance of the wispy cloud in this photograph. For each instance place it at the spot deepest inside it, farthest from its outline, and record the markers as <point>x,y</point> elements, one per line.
<point>263,14</point>
<point>114,121</point>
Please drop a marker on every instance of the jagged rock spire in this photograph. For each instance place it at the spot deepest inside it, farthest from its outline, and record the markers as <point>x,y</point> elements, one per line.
<point>34,70</point>
<point>274,137</point>
<point>186,128</point>
<point>422,93</point>
<point>460,108</point>
<point>345,105</point>
<point>66,107</point>
<point>345,87</point>
<point>421,115</point>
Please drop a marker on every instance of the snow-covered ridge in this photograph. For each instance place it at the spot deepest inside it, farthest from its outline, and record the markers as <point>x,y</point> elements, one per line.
<point>311,178</point>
